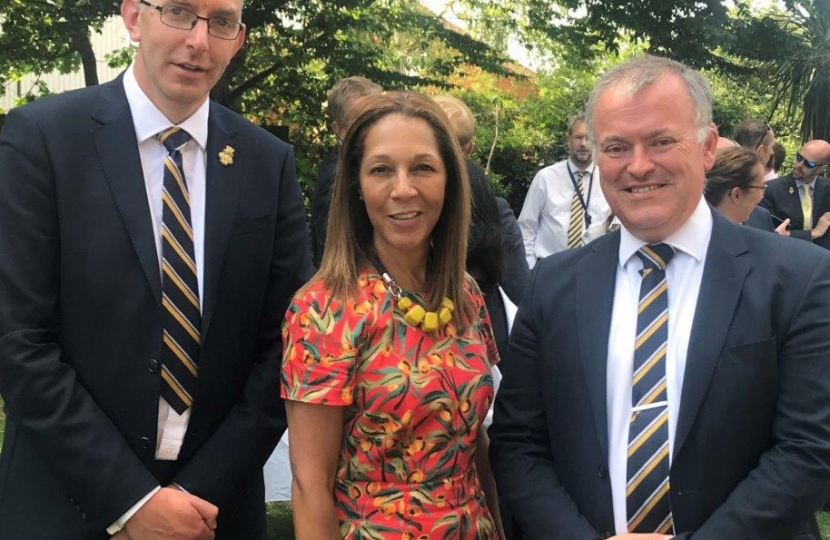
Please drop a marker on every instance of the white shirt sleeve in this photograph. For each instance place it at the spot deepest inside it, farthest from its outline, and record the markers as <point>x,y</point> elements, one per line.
<point>120,522</point>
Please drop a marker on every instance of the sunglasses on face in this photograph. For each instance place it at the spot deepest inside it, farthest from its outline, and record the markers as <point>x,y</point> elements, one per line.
<point>807,163</point>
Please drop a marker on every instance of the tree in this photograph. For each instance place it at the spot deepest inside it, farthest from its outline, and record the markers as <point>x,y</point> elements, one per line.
<point>40,36</point>
<point>792,48</point>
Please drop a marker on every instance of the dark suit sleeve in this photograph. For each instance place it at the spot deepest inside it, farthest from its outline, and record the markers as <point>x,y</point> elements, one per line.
<point>770,202</point>
<point>516,273</point>
<point>320,202</point>
<point>792,478</point>
<point>242,443</point>
<point>520,448</point>
<point>43,393</point>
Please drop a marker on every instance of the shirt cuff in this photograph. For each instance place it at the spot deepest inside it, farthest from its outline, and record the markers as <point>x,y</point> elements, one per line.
<point>119,524</point>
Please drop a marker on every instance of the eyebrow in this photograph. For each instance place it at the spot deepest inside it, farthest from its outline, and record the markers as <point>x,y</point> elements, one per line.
<point>225,13</point>
<point>620,138</point>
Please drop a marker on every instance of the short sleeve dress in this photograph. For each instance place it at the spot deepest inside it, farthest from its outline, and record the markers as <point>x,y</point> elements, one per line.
<point>414,403</point>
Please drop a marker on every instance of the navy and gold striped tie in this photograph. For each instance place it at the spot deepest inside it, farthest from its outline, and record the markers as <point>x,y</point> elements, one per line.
<point>180,288</point>
<point>577,213</point>
<point>647,487</point>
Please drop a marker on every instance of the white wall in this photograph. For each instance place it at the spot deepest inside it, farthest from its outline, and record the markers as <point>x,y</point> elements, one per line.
<point>113,36</point>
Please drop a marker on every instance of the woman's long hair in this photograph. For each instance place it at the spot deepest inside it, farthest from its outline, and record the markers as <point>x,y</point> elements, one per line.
<point>349,235</point>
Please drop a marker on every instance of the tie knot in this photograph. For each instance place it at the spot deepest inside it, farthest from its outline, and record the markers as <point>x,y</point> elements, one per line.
<point>656,256</point>
<point>580,175</point>
<point>173,138</point>
<point>807,188</point>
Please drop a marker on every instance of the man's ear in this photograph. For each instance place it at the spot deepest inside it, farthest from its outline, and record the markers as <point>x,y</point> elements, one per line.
<point>129,14</point>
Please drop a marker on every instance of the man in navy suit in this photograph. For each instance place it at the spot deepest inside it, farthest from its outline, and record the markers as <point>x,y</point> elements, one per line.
<point>803,196</point>
<point>671,379</point>
<point>95,445</point>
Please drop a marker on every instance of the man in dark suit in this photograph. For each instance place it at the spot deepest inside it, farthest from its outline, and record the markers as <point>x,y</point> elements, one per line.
<point>785,196</point>
<point>142,288</point>
<point>341,98</point>
<point>670,379</point>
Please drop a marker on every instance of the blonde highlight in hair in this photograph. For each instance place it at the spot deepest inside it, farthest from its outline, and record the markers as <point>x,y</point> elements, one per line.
<point>349,236</point>
<point>460,116</point>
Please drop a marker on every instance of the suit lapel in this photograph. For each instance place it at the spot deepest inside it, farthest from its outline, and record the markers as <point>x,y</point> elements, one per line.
<point>222,190</point>
<point>793,203</point>
<point>819,206</point>
<point>727,265</point>
<point>118,152</point>
<point>594,303</point>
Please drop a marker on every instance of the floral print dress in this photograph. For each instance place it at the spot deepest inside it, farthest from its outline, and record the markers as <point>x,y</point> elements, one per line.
<point>414,403</point>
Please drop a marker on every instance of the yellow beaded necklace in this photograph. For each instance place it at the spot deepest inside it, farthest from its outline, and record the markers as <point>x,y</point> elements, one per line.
<point>414,313</point>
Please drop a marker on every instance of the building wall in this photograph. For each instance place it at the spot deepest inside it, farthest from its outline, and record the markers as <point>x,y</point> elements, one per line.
<point>113,36</point>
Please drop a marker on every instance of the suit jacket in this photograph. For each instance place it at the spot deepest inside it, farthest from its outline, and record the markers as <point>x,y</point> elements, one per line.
<point>516,273</point>
<point>320,202</point>
<point>760,218</point>
<point>783,201</point>
<point>80,319</point>
<point>752,447</point>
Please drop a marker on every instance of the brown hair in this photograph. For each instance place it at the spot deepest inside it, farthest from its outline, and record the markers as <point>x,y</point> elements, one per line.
<point>350,233</point>
<point>345,89</point>
<point>733,168</point>
<point>461,118</point>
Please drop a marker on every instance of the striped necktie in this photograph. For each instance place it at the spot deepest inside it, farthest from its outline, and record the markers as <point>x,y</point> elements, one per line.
<point>647,487</point>
<point>807,206</point>
<point>577,213</point>
<point>180,289</point>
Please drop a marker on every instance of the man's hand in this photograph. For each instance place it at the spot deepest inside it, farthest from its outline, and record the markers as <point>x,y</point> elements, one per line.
<point>172,514</point>
<point>784,228</point>
<point>121,535</point>
<point>821,226</point>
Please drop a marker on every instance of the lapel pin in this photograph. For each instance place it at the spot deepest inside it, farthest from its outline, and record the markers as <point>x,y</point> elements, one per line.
<point>226,156</point>
<point>792,190</point>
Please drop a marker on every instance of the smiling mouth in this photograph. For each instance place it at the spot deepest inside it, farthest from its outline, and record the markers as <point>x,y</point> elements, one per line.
<point>643,189</point>
<point>404,215</point>
<point>191,68</point>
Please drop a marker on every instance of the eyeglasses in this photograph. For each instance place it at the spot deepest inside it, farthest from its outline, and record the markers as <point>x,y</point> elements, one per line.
<point>762,188</point>
<point>807,163</point>
<point>767,129</point>
<point>185,19</point>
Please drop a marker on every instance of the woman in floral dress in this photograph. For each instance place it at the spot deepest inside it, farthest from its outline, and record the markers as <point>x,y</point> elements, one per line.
<point>387,350</point>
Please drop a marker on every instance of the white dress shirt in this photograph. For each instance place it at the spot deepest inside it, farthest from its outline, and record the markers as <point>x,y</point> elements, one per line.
<point>546,213</point>
<point>149,121</point>
<point>683,274</point>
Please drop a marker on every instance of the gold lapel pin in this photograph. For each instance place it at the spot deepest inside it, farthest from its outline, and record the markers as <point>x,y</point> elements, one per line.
<point>226,156</point>
<point>792,190</point>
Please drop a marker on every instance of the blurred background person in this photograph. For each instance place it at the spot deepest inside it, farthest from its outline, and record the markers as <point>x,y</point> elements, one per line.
<point>388,349</point>
<point>495,257</point>
<point>735,185</point>
<point>779,154</point>
<point>341,98</point>
<point>803,196</point>
<point>563,200</point>
<point>758,136</point>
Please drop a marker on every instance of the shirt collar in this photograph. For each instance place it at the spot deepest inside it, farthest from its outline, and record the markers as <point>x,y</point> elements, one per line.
<point>573,168</point>
<point>691,238</point>
<point>800,185</point>
<point>149,120</point>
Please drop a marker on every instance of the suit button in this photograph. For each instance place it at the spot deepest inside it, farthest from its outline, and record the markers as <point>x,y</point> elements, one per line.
<point>153,365</point>
<point>602,472</point>
<point>144,443</point>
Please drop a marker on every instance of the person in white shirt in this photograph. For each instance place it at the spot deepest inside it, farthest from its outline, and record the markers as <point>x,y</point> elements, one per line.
<point>556,214</point>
